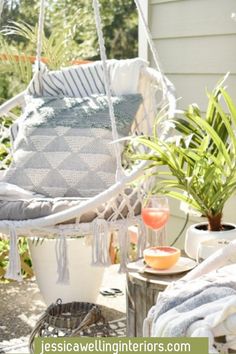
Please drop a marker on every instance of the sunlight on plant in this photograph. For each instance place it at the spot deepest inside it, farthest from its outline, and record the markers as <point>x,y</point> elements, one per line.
<point>201,159</point>
<point>57,48</point>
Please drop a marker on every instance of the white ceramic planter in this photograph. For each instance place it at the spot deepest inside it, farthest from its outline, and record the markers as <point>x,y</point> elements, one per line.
<point>85,280</point>
<point>195,236</point>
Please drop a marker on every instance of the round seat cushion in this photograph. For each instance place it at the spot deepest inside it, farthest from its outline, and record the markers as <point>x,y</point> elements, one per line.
<point>40,207</point>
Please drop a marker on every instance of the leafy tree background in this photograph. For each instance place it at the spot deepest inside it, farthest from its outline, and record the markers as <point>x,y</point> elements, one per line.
<point>69,32</point>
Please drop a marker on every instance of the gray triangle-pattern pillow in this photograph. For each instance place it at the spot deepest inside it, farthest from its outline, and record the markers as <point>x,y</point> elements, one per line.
<point>63,145</point>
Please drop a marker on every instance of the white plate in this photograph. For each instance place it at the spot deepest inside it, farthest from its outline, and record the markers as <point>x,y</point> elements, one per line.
<point>183,265</point>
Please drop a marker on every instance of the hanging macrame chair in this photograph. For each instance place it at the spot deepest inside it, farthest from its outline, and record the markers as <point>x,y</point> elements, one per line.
<point>117,207</point>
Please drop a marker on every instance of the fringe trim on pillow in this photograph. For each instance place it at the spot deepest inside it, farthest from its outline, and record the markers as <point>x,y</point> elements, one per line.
<point>14,267</point>
<point>101,243</point>
<point>62,260</point>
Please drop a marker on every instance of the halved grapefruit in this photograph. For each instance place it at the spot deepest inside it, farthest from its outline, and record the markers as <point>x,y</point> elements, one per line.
<point>161,257</point>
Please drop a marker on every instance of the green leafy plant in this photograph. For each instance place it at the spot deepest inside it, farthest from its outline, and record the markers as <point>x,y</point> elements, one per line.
<point>57,48</point>
<point>26,264</point>
<point>69,34</point>
<point>200,159</point>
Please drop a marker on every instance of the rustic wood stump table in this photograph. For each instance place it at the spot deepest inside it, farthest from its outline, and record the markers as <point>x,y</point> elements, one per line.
<point>141,295</point>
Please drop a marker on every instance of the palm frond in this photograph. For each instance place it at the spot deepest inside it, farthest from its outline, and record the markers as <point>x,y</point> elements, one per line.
<point>10,63</point>
<point>201,160</point>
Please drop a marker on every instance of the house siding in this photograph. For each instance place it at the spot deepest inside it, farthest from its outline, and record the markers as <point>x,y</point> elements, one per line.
<point>196,43</point>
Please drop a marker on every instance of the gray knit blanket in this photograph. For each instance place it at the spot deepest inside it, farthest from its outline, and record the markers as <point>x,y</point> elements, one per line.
<point>204,307</point>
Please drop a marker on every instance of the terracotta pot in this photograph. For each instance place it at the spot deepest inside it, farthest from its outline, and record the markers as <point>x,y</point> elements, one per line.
<point>194,236</point>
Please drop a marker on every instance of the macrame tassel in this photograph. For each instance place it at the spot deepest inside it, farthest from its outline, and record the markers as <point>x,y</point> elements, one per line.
<point>124,247</point>
<point>62,260</point>
<point>100,246</point>
<point>14,267</point>
<point>142,239</point>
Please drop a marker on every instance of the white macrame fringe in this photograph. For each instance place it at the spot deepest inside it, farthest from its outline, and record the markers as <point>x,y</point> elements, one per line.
<point>124,247</point>
<point>14,267</point>
<point>142,239</point>
<point>100,245</point>
<point>62,260</point>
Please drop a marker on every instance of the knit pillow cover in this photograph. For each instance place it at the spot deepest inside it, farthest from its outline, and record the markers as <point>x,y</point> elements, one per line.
<point>63,146</point>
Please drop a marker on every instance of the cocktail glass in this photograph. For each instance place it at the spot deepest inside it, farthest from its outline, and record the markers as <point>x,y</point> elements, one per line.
<point>155,214</point>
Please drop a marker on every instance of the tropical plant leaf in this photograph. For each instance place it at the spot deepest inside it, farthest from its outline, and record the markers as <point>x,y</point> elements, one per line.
<point>230,104</point>
<point>224,119</point>
<point>201,159</point>
<point>21,68</point>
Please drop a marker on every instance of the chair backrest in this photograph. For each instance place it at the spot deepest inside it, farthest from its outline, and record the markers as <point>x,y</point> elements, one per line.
<point>150,88</point>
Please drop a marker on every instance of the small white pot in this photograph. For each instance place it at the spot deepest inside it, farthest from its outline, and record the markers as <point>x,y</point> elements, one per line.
<point>194,237</point>
<point>85,280</point>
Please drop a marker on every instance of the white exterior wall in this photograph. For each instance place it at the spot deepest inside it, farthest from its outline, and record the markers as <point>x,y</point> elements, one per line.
<point>196,43</point>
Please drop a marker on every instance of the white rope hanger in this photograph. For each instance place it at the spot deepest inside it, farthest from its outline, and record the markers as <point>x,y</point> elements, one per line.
<point>1,6</point>
<point>40,33</point>
<point>119,169</point>
<point>151,44</point>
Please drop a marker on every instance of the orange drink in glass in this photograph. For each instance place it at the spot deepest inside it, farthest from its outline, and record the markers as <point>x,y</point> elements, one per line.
<point>155,214</point>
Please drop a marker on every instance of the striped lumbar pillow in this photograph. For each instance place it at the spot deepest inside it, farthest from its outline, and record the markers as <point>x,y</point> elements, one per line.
<point>76,81</point>
<point>87,79</point>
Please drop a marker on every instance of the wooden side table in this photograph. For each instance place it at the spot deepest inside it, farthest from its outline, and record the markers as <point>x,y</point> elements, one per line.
<point>141,295</point>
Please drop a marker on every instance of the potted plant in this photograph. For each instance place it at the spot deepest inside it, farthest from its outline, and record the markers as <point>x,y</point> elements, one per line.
<point>201,164</point>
